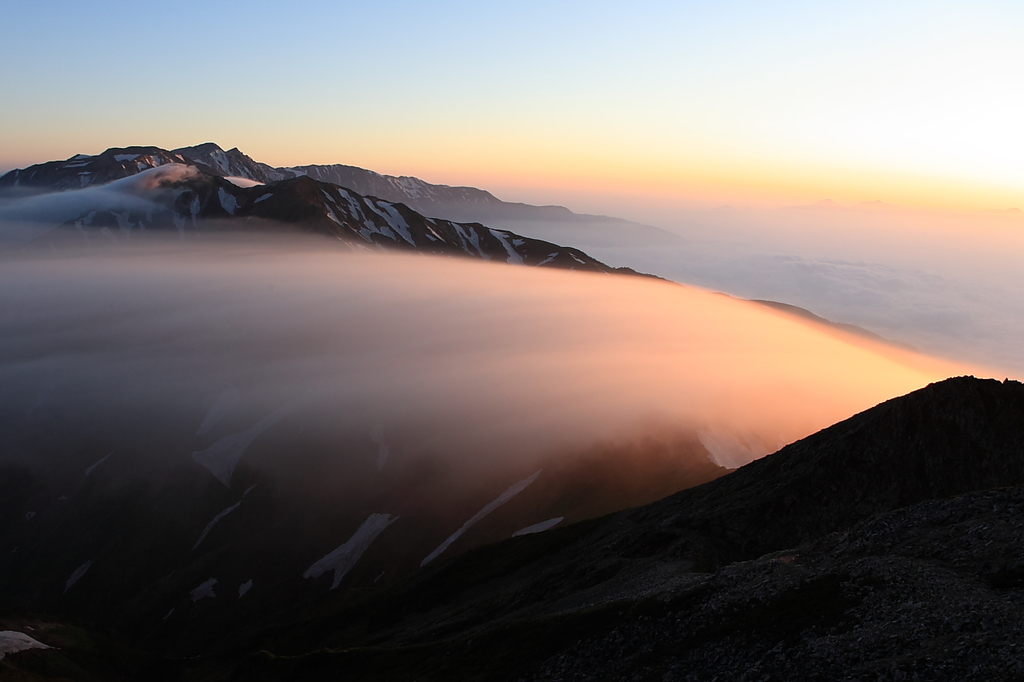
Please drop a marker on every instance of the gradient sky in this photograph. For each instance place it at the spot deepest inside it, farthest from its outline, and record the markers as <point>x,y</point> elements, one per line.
<point>688,103</point>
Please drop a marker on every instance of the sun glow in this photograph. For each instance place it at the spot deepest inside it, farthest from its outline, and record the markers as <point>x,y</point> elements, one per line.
<point>735,102</point>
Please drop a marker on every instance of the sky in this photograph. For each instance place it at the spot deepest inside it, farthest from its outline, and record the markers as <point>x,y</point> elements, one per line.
<point>586,104</point>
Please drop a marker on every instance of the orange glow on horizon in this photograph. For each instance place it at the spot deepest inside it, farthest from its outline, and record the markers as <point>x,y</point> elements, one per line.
<point>519,172</point>
<point>544,171</point>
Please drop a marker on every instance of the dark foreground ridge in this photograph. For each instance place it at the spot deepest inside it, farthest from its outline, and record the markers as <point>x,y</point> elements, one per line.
<point>888,546</point>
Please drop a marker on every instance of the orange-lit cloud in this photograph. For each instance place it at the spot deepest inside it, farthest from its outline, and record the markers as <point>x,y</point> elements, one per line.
<point>489,364</point>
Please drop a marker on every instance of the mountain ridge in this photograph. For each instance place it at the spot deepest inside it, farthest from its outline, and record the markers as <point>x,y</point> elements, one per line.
<point>815,547</point>
<point>434,200</point>
<point>470,203</point>
<point>472,238</point>
<point>126,191</point>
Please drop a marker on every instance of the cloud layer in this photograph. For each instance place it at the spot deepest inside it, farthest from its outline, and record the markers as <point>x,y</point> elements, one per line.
<point>949,284</point>
<point>482,364</point>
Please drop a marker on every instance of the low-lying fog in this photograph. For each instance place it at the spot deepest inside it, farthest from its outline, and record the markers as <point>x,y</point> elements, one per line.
<point>489,366</point>
<point>947,283</point>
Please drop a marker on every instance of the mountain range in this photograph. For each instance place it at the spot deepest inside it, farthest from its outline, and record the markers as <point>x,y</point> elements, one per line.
<point>468,203</point>
<point>127,190</point>
<point>886,546</point>
<point>139,188</point>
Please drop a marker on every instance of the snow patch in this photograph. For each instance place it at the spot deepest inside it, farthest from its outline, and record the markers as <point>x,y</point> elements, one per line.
<point>77,575</point>
<point>332,216</point>
<point>513,257</point>
<point>29,516</point>
<point>125,157</point>
<point>433,236</point>
<point>12,641</point>
<point>220,516</point>
<point>222,457</point>
<point>204,590</point>
<point>469,238</point>
<point>227,201</point>
<point>396,221</point>
<point>539,527</point>
<point>264,197</point>
<point>513,490</point>
<point>547,260</point>
<point>345,557</point>
<point>244,587</point>
<point>101,461</point>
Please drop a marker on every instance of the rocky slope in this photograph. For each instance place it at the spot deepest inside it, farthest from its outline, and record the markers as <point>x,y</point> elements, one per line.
<point>931,590</point>
<point>459,204</point>
<point>83,170</point>
<point>463,204</point>
<point>842,556</point>
<point>124,192</point>
<point>927,592</point>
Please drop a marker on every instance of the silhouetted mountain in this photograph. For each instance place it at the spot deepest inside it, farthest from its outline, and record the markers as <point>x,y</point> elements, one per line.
<point>747,575</point>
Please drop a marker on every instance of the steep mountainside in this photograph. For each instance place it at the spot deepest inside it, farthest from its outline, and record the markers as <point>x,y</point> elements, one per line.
<point>467,204</point>
<point>82,170</point>
<point>126,191</point>
<point>696,585</point>
<point>233,163</point>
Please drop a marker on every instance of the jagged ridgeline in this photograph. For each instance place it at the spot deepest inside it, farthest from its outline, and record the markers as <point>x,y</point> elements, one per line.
<point>126,191</point>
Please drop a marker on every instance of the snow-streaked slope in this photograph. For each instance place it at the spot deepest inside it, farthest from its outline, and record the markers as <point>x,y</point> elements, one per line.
<point>186,198</point>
